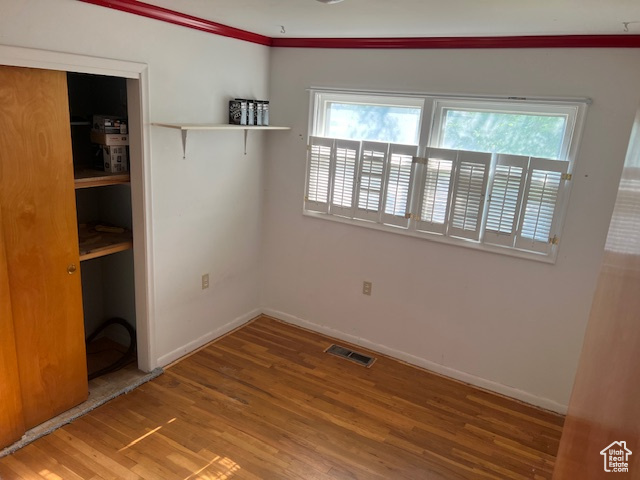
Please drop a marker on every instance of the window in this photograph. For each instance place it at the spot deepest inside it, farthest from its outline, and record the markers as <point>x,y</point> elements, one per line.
<point>368,117</point>
<point>509,128</point>
<point>488,174</point>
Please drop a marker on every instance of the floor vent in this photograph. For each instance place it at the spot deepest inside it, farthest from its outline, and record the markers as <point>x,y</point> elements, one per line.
<point>359,358</point>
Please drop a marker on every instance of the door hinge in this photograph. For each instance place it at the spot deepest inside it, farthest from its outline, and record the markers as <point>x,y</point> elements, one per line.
<point>554,240</point>
<point>566,176</point>
<point>306,198</point>
<point>411,216</point>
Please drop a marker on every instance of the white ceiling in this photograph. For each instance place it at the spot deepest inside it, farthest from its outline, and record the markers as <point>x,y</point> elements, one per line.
<point>416,18</point>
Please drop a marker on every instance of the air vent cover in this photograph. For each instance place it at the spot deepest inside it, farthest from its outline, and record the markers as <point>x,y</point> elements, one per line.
<point>359,358</point>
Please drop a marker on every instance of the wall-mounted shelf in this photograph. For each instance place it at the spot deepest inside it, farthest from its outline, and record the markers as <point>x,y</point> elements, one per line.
<point>185,127</point>
<point>86,178</point>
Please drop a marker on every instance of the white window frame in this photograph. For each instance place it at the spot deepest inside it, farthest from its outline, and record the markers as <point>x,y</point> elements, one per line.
<point>433,107</point>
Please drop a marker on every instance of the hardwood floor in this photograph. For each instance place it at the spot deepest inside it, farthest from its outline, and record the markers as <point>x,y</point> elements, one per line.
<point>265,402</point>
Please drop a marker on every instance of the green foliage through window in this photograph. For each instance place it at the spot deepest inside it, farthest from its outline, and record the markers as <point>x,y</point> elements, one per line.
<point>373,122</point>
<point>511,133</point>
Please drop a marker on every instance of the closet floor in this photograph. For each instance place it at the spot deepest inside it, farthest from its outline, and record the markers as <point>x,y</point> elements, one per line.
<point>101,390</point>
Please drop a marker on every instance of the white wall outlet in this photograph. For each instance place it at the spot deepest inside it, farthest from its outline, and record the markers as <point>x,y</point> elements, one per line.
<point>205,281</point>
<point>366,288</point>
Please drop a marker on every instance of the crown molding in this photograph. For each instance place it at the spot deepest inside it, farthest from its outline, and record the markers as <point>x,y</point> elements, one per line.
<point>533,41</point>
<point>181,19</point>
<point>530,41</point>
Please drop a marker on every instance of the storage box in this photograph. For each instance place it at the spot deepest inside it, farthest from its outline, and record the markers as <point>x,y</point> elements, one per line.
<point>109,124</point>
<point>251,112</point>
<point>109,138</point>
<point>115,159</point>
<point>238,111</point>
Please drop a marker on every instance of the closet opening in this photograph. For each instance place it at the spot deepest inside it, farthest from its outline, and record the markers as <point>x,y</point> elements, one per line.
<point>98,108</point>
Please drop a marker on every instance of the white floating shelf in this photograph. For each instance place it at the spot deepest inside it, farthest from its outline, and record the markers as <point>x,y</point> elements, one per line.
<point>185,127</point>
<point>218,126</point>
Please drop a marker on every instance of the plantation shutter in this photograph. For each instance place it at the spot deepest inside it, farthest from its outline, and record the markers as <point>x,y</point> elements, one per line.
<point>373,160</point>
<point>505,199</point>
<point>469,190</point>
<point>399,177</point>
<point>318,174</point>
<point>346,154</point>
<point>435,189</point>
<point>543,190</point>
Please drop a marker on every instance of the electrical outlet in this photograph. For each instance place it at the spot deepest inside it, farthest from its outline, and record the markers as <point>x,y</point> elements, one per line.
<point>366,288</point>
<point>205,281</point>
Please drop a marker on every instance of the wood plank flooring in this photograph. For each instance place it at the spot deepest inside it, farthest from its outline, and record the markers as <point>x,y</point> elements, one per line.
<point>265,402</point>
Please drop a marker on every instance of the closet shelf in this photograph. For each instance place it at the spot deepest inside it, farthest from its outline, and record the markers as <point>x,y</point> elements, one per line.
<point>94,244</point>
<point>185,127</point>
<point>87,178</point>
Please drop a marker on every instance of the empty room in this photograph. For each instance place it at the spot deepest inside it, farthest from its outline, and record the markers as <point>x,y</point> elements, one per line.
<point>319,239</point>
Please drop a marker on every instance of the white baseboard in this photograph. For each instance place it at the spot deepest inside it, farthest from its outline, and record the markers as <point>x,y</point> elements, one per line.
<point>206,338</point>
<point>423,363</point>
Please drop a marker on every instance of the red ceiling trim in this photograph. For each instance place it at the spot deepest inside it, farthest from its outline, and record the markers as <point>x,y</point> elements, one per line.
<point>184,20</point>
<point>542,41</point>
<point>534,41</point>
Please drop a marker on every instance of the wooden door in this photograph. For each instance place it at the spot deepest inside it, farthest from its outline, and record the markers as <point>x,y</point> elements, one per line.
<point>11,418</point>
<point>605,402</point>
<point>37,201</point>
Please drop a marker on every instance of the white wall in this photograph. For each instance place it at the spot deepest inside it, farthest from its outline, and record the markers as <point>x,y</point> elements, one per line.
<point>205,215</point>
<point>512,325</point>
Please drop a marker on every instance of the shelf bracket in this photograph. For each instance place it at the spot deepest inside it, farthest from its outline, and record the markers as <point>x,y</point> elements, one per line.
<point>245,140</point>
<point>184,143</point>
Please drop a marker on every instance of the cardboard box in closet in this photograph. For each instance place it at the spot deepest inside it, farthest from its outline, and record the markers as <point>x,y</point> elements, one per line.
<point>115,158</point>
<point>109,139</point>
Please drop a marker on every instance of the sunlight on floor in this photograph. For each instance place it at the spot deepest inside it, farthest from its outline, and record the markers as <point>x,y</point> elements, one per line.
<point>145,435</point>
<point>49,475</point>
<point>229,468</point>
<point>224,467</point>
<point>140,438</point>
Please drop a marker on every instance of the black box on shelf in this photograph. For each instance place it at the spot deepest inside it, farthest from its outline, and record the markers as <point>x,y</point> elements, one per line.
<point>248,112</point>
<point>109,124</point>
<point>238,111</point>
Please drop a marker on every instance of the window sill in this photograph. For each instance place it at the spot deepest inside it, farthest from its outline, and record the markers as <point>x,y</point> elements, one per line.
<point>459,242</point>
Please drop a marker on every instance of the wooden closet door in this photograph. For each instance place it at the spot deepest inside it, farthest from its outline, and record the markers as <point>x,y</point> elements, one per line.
<point>11,419</point>
<point>40,229</point>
